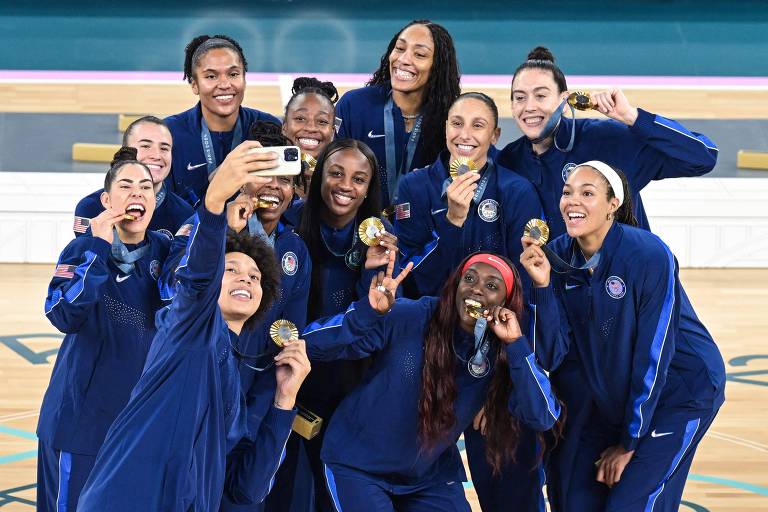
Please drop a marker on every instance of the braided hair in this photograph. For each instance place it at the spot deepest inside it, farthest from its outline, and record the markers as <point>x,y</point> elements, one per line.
<point>201,45</point>
<point>441,90</point>
<point>311,85</point>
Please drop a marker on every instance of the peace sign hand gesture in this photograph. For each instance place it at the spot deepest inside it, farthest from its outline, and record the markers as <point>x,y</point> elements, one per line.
<point>383,288</point>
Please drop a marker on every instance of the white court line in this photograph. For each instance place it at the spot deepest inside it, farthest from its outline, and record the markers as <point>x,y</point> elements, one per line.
<point>19,415</point>
<point>739,440</point>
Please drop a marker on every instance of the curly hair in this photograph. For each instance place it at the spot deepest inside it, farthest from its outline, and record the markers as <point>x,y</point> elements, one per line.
<point>441,90</point>
<point>437,417</point>
<point>201,45</point>
<point>311,85</point>
<point>264,257</point>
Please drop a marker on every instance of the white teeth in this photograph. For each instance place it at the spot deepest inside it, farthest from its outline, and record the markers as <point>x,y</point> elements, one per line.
<point>153,167</point>
<point>135,207</point>
<point>270,198</point>
<point>404,75</point>
<point>464,147</point>
<point>241,293</point>
<point>533,120</point>
<point>225,97</point>
<point>343,199</point>
<point>473,303</point>
<point>575,215</point>
<point>309,142</point>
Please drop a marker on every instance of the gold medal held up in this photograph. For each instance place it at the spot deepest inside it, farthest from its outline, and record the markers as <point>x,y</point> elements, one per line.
<point>462,165</point>
<point>283,330</point>
<point>474,308</point>
<point>370,230</point>
<point>537,229</point>
<point>581,100</point>
<point>309,160</point>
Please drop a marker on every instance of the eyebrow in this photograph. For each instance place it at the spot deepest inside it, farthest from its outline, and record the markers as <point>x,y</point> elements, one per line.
<point>418,45</point>
<point>540,88</point>
<point>128,180</point>
<point>304,109</point>
<point>151,141</point>
<point>230,68</point>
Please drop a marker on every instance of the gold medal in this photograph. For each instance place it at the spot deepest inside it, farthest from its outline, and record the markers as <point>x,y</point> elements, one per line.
<point>309,160</point>
<point>537,229</point>
<point>474,308</point>
<point>263,203</point>
<point>283,330</point>
<point>462,165</point>
<point>581,100</point>
<point>370,230</point>
<point>128,216</point>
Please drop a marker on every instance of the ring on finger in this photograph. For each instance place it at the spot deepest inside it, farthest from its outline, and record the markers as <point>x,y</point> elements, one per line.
<point>381,288</point>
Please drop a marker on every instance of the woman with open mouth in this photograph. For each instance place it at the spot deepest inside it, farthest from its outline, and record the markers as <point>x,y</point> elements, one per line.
<point>401,112</point>
<point>644,145</point>
<point>344,192</point>
<point>204,135</point>
<point>465,202</point>
<point>438,361</point>
<point>309,122</point>
<point>167,449</point>
<point>153,143</point>
<point>104,296</point>
<point>655,381</point>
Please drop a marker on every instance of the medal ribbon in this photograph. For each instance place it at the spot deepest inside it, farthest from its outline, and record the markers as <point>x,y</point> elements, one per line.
<point>393,172</point>
<point>205,138</point>
<point>123,258</point>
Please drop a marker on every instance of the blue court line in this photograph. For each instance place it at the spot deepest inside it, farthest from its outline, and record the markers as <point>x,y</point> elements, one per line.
<point>7,459</point>
<point>757,489</point>
<point>18,433</point>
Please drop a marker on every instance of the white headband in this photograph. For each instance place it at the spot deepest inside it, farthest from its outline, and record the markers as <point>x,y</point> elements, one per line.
<point>612,176</point>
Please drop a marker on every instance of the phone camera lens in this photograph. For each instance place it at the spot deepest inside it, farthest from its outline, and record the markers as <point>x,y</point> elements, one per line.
<point>291,154</point>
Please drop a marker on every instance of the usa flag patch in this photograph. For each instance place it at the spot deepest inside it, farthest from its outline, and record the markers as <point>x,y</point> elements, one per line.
<point>65,271</point>
<point>81,224</point>
<point>184,230</point>
<point>403,211</point>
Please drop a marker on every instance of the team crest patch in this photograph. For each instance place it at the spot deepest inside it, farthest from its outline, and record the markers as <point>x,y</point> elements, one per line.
<point>567,168</point>
<point>290,263</point>
<point>165,232</point>
<point>615,287</point>
<point>488,210</point>
<point>154,269</point>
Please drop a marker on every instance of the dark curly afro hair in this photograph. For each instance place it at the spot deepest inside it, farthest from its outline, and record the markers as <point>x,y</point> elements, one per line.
<point>264,257</point>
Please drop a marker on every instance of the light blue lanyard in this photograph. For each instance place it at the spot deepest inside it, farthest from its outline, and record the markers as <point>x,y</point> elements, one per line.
<point>255,228</point>
<point>160,196</point>
<point>210,154</point>
<point>393,172</point>
<point>123,258</point>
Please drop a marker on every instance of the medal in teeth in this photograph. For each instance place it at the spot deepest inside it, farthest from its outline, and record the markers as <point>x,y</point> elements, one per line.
<point>474,308</point>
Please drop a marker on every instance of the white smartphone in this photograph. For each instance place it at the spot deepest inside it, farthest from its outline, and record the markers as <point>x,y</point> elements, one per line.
<point>288,158</point>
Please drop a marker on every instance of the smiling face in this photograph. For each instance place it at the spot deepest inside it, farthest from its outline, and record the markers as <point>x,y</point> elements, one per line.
<point>535,97</point>
<point>410,61</point>
<point>470,130</point>
<point>279,192</point>
<point>584,205</point>
<point>219,80</point>
<point>482,283</point>
<point>346,176</point>
<point>153,143</point>
<point>240,294</point>
<point>131,192</point>
<point>309,123</point>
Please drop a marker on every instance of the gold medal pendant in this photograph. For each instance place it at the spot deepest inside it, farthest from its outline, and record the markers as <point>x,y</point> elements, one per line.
<point>474,308</point>
<point>261,203</point>
<point>370,230</point>
<point>283,330</point>
<point>309,160</point>
<point>537,229</point>
<point>581,100</point>
<point>462,165</point>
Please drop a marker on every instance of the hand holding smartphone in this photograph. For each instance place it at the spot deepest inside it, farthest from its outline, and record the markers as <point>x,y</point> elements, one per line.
<point>288,157</point>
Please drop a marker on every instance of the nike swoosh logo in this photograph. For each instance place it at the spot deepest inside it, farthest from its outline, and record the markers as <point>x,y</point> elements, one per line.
<point>120,279</point>
<point>372,135</point>
<point>435,212</point>
<point>660,434</point>
<point>571,286</point>
<point>190,166</point>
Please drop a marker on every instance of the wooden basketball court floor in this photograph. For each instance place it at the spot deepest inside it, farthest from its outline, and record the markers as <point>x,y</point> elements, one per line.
<point>730,471</point>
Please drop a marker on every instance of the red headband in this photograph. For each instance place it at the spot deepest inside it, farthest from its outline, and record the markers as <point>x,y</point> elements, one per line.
<point>506,272</point>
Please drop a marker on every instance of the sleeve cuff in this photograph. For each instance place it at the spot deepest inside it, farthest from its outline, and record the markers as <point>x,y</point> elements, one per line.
<point>280,420</point>
<point>643,124</point>
<point>211,219</point>
<point>628,442</point>
<point>365,312</point>
<point>518,350</point>
<point>446,230</point>
<point>541,296</point>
